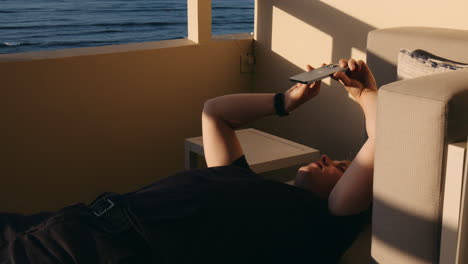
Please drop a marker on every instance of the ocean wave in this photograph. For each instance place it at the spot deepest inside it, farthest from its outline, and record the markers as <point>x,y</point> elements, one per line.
<point>72,43</point>
<point>118,24</point>
<point>137,24</point>
<point>231,24</point>
<point>8,44</point>
<point>8,12</point>
<point>85,33</point>
<point>149,10</point>
<point>232,8</point>
<point>57,24</point>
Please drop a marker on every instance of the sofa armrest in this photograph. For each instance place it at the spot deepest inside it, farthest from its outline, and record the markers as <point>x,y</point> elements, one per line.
<point>416,119</point>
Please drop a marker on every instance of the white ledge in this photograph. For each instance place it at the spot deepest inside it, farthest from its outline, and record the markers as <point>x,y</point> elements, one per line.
<point>118,48</point>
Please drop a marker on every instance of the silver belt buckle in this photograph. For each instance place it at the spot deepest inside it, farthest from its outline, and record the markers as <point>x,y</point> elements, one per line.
<point>102,207</point>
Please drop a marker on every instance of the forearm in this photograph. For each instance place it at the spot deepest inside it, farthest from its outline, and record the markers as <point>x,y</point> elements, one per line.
<point>353,192</point>
<point>222,115</point>
<point>239,109</point>
<point>368,102</point>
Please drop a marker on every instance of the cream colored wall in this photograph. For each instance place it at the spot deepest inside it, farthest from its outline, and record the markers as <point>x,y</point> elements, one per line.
<point>79,122</point>
<point>292,33</point>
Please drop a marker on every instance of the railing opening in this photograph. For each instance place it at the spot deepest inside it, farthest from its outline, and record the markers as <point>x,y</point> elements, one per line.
<point>232,16</point>
<point>62,24</point>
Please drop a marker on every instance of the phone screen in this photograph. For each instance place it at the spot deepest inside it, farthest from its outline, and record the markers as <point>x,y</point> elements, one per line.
<point>317,74</point>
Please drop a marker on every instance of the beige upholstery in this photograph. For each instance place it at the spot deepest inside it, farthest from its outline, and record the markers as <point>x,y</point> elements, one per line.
<point>416,119</point>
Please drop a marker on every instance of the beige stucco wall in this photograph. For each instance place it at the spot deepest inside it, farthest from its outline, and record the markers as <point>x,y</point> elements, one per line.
<point>75,120</point>
<point>292,33</point>
<point>79,122</point>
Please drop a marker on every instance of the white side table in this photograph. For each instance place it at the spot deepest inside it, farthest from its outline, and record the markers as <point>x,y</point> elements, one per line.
<point>264,152</point>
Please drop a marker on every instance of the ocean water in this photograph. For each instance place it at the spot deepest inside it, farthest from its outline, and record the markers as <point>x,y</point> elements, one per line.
<point>32,25</point>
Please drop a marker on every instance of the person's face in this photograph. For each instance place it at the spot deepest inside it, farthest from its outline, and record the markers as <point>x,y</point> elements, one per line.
<point>321,176</point>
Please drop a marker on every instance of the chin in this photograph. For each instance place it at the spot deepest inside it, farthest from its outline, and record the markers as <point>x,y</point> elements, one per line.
<point>306,180</point>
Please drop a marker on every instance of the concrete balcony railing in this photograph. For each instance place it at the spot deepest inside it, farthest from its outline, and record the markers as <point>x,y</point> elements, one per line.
<point>78,122</point>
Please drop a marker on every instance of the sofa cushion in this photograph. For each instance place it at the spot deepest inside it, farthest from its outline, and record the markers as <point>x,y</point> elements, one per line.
<point>416,118</point>
<point>418,63</point>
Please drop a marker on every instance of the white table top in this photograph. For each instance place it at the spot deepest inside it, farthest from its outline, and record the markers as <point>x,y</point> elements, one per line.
<point>263,151</point>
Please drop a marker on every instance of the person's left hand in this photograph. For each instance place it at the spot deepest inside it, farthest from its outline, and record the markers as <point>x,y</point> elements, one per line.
<point>301,93</point>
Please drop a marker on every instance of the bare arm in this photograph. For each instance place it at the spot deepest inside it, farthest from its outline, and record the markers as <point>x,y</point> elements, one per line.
<point>222,115</point>
<point>353,192</point>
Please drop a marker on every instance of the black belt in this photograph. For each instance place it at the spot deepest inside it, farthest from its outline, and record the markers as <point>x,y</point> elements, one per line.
<point>111,211</point>
<point>101,206</point>
<point>114,215</point>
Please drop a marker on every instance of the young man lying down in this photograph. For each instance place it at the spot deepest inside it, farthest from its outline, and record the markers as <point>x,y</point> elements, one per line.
<point>224,213</point>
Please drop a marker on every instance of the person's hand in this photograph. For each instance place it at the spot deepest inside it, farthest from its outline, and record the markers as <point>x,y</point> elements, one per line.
<point>358,80</point>
<point>300,93</point>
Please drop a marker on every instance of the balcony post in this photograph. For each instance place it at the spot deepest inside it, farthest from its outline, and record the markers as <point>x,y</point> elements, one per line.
<point>199,20</point>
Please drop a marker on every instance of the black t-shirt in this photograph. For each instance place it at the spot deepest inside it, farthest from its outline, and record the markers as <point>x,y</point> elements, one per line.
<point>229,214</point>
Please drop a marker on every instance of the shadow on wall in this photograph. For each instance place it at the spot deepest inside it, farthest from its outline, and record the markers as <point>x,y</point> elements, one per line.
<point>347,34</point>
<point>386,71</point>
<point>346,31</point>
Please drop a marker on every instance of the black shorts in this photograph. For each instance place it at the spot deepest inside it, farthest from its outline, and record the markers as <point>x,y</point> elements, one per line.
<point>74,235</point>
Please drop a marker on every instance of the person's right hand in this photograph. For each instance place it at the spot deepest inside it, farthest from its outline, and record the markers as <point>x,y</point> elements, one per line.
<point>358,80</point>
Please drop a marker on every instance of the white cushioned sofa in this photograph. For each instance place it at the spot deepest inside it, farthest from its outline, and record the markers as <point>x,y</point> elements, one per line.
<point>416,121</point>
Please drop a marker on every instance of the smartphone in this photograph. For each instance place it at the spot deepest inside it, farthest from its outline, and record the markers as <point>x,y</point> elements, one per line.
<point>317,74</point>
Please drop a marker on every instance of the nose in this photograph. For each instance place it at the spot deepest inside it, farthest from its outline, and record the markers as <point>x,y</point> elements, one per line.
<point>325,160</point>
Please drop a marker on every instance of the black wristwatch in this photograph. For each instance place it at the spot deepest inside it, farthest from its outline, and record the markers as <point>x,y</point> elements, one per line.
<point>279,105</point>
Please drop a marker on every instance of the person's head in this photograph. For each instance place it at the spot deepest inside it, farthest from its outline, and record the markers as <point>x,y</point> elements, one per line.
<point>321,176</point>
